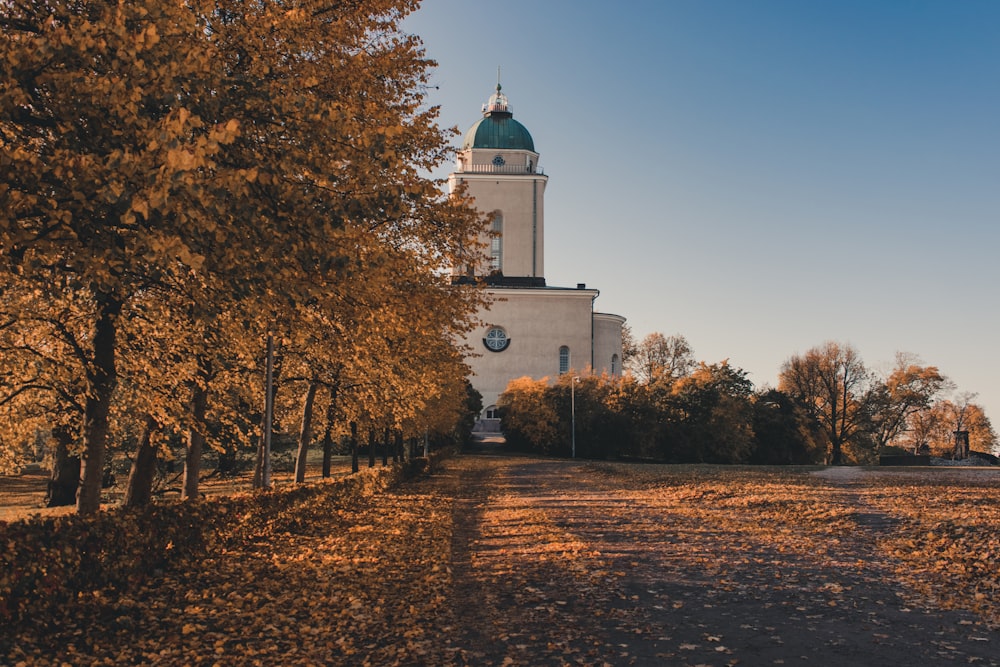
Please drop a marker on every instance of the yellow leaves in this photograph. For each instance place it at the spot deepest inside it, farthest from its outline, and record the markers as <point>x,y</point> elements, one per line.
<point>148,37</point>
<point>171,248</point>
<point>943,548</point>
<point>181,116</point>
<point>180,159</point>
<point>226,133</point>
<point>141,207</point>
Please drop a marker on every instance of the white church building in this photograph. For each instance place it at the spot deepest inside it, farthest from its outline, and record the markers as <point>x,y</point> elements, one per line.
<point>530,329</point>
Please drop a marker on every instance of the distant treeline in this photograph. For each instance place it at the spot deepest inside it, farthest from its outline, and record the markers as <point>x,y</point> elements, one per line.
<point>828,408</point>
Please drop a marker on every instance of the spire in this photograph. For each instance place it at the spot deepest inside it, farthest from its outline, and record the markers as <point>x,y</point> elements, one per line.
<point>498,102</point>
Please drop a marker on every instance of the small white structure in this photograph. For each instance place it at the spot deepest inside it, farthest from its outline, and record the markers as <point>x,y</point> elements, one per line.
<point>531,329</point>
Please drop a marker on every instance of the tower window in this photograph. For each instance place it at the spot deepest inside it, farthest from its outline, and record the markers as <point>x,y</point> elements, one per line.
<point>614,364</point>
<point>563,360</point>
<point>496,242</point>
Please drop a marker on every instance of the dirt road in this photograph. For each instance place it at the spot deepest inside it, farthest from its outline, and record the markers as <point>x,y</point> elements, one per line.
<point>557,563</point>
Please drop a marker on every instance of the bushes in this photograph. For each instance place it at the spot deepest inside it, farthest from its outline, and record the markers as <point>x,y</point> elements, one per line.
<point>702,417</point>
<point>46,563</point>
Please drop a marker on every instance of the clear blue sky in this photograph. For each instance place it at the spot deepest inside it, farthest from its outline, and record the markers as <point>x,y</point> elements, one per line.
<point>760,176</point>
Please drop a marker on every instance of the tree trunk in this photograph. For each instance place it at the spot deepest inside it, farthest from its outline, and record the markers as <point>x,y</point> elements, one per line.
<point>328,433</point>
<point>258,468</point>
<point>262,471</point>
<point>140,478</point>
<point>371,446</point>
<point>305,433</point>
<point>836,452</point>
<point>195,441</point>
<point>327,452</point>
<point>354,447</point>
<point>397,452</point>
<point>227,461</point>
<point>65,475</point>
<point>385,447</point>
<point>101,380</point>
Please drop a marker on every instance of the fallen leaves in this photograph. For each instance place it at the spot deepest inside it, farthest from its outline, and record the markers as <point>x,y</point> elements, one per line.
<point>947,544</point>
<point>363,587</point>
<point>488,565</point>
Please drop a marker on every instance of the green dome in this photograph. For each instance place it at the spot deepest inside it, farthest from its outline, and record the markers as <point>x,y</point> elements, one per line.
<point>497,128</point>
<point>493,132</point>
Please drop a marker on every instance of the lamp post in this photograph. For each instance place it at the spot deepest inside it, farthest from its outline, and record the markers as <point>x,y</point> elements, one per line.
<point>572,413</point>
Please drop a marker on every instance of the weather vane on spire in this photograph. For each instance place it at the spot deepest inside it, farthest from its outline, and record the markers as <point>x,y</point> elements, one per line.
<point>497,102</point>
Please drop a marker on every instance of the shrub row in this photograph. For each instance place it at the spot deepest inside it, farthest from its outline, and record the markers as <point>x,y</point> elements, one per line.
<point>49,562</point>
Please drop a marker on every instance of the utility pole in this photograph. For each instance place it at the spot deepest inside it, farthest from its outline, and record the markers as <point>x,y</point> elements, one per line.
<point>572,412</point>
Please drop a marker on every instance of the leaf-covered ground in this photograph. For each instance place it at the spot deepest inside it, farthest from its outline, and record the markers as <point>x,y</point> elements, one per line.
<point>502,561</point>
<point>23,495</point>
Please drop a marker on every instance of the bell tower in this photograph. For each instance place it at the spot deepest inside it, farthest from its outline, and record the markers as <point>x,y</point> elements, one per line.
<point>530,329</point>
<point>498,165</point>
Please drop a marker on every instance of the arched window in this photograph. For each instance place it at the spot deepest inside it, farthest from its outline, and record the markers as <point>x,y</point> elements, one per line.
<point>563,360</point>
<point>493,412</point>
<point>496,242</point>
<point>614,364</point>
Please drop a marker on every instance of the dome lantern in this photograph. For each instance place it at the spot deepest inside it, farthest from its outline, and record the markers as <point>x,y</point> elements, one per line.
<point>497,129</point>
<point>498,104</point>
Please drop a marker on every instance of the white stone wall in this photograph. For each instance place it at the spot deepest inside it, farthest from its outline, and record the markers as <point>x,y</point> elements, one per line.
<point>607,342</point>
<point>538,321</point>
<point>521,199</point>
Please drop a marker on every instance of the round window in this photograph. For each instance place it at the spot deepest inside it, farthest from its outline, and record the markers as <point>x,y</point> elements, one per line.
<point>498,160</point>
<point>496,339</point>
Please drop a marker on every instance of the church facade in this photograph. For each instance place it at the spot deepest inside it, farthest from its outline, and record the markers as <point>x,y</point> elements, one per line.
<point>530,329</point>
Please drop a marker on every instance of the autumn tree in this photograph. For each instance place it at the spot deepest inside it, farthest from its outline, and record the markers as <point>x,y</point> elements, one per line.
<point>449,413</point>
<point>933,430</point>
<point>628,346</point>
<point>341,180</point>
<point>642,422</point>
<point>832,383</point>
<point>710,414</point>
<point>704,417</point>
<point>191,375</point>
<point>93,141</point>
<point>387,339</point>
<point>250,150</point>
<point>922,429</point>
<point>784,433</point>
<point>662,356</point>
<point>588,402</point>
<point>41,395</point>
<point>982,436</point>
<point>908,390</point>
<point>530,418</point>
